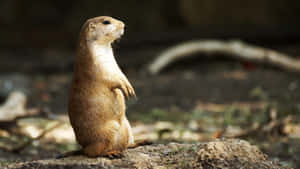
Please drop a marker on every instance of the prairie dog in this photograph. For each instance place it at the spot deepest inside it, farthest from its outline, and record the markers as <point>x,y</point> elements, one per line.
<point>97,95</point>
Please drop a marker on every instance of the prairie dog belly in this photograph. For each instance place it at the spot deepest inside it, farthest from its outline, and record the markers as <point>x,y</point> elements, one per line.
<point>96,112</point>
<point>124,136</point>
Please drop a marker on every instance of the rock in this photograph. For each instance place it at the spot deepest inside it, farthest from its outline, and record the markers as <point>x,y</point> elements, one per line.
<point>230,153</point>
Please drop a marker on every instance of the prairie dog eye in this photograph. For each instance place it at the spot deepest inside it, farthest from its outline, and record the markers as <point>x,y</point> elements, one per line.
<point>106,22</point>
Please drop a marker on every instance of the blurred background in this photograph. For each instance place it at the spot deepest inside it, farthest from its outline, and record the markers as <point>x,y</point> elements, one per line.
<point>195,99</point>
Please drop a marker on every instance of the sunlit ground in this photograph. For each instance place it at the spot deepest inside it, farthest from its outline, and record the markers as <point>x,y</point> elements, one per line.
<point>200,107</point>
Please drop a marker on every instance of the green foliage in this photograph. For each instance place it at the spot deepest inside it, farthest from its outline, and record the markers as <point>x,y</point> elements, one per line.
<point>157,114</point>
<point>7,162</point>
<point>67,147</point>
<point>259,93</point>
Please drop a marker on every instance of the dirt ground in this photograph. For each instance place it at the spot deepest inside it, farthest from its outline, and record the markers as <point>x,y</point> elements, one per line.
<point>189,90</point>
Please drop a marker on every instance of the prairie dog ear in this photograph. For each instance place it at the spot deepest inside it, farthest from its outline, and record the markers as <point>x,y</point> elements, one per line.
<point>92,26</point>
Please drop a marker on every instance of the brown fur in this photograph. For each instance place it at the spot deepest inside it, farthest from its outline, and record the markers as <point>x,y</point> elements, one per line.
<point>96,100</point>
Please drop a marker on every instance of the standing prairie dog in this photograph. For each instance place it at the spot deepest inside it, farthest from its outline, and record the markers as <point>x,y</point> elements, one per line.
<point>96,101</point>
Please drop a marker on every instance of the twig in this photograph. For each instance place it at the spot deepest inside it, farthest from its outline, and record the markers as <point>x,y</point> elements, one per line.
<point>29,142</point>
<point>236,49</point>
<point>275,126</point>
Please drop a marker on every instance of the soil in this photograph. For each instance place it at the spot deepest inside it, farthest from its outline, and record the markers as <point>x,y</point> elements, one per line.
<point>177,90</point>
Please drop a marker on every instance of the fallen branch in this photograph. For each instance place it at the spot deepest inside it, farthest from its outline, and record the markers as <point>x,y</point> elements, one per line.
<point>236,49</point>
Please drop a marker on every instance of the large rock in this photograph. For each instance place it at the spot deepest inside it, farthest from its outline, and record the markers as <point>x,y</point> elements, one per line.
<point>216,154</point>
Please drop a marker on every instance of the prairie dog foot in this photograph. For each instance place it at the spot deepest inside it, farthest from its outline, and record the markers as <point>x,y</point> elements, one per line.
<point>114,154</point>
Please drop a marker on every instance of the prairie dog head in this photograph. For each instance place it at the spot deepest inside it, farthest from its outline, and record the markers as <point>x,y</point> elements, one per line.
<point>102,30</point>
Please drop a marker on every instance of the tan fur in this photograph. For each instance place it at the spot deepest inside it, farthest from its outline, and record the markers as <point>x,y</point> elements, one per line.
<point>96,100</point>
